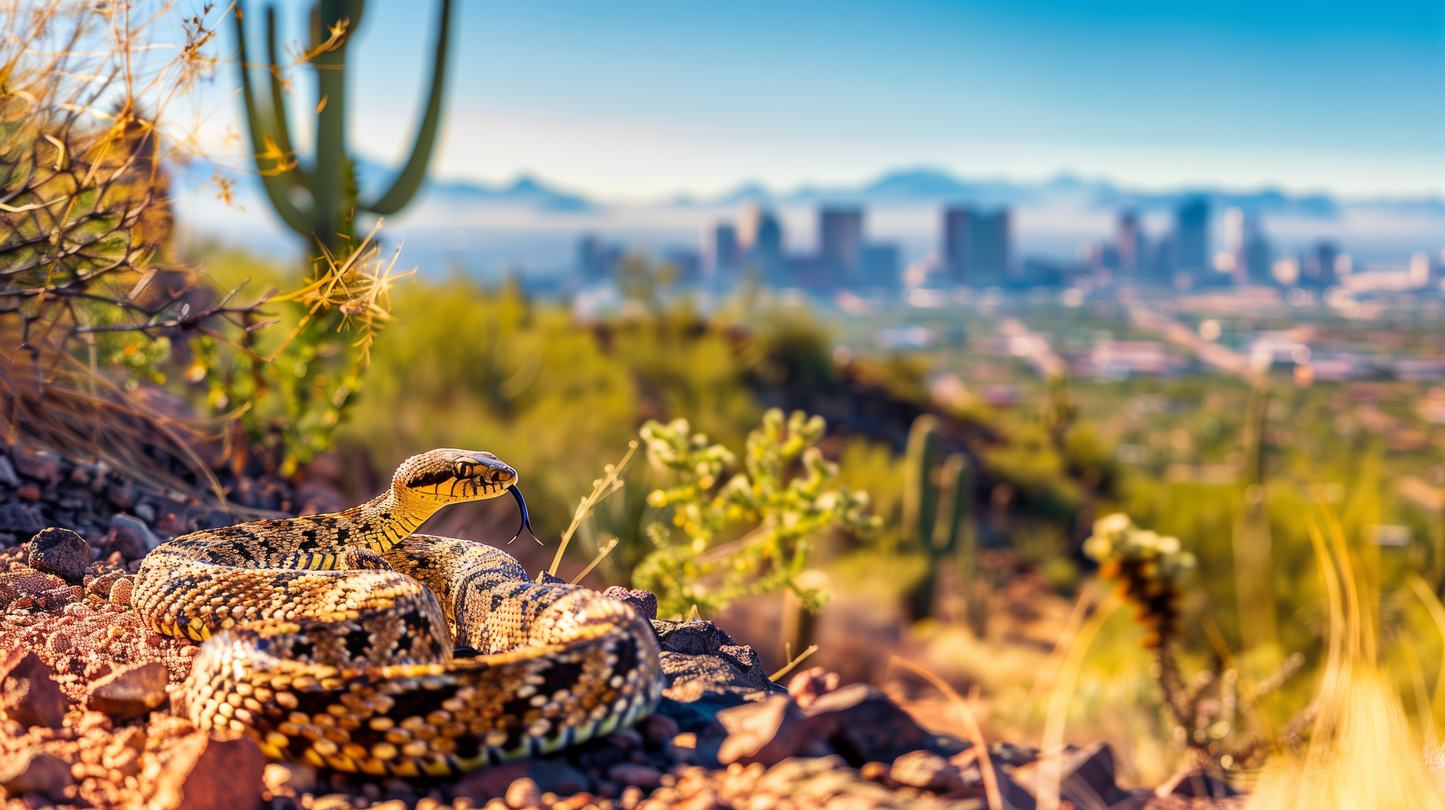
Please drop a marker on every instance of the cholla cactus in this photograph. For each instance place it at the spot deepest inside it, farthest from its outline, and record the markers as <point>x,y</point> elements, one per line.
<point>1148,568</point>
<point>788,513</point>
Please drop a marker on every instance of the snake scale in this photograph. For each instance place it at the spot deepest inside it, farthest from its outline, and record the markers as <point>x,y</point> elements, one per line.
<point>329,638</point>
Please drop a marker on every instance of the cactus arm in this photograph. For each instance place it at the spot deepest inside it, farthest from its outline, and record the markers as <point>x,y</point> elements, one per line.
<point>296,176</point>
<point>275,185</point>
<point>405,186</point>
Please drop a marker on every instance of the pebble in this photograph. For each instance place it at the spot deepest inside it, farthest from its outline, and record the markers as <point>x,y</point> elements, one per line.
<point>523,793</point>
<point>809,685</point>
<point>208,774</point>
<point>29,693</point>
<point>925,770</point>
<point>36,772</point>
<point>61,552</point>
<point>767,731</point>
<point>131,693</point>
<point>629,773</point>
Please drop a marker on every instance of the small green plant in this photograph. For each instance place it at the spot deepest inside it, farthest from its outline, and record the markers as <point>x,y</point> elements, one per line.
<point>780,514</point>
<point>291,396</point>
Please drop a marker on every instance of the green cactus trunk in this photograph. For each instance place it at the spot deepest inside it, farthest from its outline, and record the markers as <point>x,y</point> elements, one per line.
<point>330,182</point>
<point>937,508</point>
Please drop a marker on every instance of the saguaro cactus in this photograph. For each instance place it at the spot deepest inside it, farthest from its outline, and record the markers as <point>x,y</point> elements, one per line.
<point>937,506</point>
<point>329,181</point>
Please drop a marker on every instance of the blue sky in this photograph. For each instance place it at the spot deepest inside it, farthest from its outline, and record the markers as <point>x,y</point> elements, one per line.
<point>633,99</point>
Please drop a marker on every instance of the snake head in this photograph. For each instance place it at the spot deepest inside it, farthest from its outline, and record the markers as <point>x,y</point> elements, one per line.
<point>450,476</point>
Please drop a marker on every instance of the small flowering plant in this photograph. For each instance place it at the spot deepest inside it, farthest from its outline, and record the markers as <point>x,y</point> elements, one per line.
<point>1148,568</point>
<point>782,494</point>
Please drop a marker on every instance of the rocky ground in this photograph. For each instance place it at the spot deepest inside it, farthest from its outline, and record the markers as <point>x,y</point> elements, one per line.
<point>84,694</point>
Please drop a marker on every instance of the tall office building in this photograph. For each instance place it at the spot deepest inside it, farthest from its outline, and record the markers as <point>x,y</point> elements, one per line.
<point>840,240</point>
<point>976,248</point>
<point>1191,237</point>
<point>1128,241</point>
<point>760,239</point>
<point>957,243</point>
<point>726,257</point>
<point>1318,268</point>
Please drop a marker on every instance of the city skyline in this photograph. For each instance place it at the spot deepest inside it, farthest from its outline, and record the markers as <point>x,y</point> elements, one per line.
<point>644,100</point>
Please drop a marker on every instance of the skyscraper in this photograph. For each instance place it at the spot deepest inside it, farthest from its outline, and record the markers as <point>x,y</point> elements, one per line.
<point>1318,268</point>
<point>957,243</point>
<point>840,240</point>
<point>991,246</point>
<point>1191,240</point>
<point>976,247</point>
<point>1129,244</point>
<point>725,253</point>
<point>761,241</point>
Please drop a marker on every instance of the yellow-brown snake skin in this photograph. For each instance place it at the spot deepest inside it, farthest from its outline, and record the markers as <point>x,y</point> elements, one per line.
<point>331,636</point>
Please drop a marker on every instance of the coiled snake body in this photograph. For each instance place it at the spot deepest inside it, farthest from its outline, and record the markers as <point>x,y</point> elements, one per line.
<point>331,636</point>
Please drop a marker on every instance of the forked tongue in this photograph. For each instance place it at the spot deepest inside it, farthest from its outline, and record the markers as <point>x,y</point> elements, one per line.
<point>526,521</point>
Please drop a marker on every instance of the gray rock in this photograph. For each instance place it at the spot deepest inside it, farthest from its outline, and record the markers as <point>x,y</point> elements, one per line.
<point>60,552</point>
<point>691,638</point>
<point>127,530</point>
<point>131,693</point>
<point>7,473</point>
<point>36,772</point>
<point>645,602</point>
<point>689,677</point>
<point>21,518</point>
<point>29,694</point>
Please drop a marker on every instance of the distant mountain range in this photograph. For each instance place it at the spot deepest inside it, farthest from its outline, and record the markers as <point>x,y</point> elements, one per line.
<point>926,186</point>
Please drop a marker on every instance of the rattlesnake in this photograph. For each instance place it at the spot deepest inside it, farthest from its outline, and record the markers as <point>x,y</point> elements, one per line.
<point>331,636</point>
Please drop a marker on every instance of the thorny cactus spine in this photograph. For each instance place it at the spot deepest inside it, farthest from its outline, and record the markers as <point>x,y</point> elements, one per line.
<point>330,181</point>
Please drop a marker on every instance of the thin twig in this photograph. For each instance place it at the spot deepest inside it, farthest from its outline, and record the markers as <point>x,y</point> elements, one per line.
<point>812,648</point>
<point>600,489</point>
<point>970,726</point>
<point>601,554</point>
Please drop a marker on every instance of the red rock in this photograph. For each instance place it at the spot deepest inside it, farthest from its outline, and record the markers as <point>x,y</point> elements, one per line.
<point>209,774</point>
<point>36,772</point>
<point>1086,775</point>
<point>549,776</point>
<point>658,730</point>
<point>767,731</point>
<point>808,686</point>
<point>15,585</point>
<point>29,694</point>
<point>630,773</point>
<point>523,793</point>
<point>131,693</point>
<point>1196,782</point>
<point>864,725</point>
<point>925,770</point>
<point>42,466</point>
